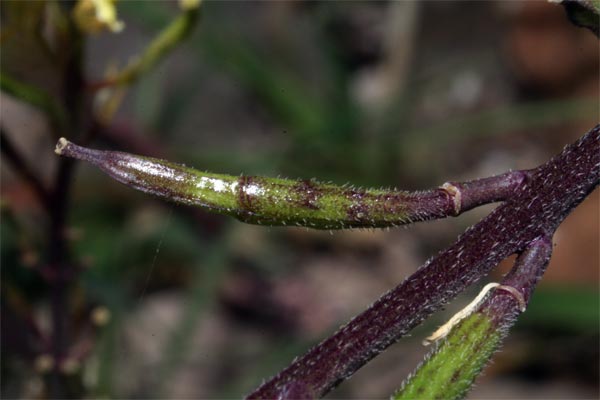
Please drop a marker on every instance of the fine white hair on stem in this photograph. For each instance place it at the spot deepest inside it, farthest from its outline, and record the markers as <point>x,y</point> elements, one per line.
<point>445,329</point>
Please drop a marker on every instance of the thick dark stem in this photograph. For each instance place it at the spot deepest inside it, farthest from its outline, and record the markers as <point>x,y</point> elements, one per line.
<point>535,210</point>
<point>469,344</point>
<point>60,272</point>
<point>501,306</point>
<point>59,276</point>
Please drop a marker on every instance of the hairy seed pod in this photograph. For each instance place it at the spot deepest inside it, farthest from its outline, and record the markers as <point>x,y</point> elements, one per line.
<point>276,201</point>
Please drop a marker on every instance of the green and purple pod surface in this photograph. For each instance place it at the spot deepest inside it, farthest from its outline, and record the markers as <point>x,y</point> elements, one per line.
<point>275,201</point>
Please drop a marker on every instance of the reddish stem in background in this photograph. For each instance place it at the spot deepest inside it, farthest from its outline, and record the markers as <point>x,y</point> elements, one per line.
<point>94,86</point>
<point>21,167</point>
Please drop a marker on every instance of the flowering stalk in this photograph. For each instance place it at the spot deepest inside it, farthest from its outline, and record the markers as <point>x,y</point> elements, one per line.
<point>111,90</point>
<point>171,36</point>
<point>274,201</point>
<point>449,370</point>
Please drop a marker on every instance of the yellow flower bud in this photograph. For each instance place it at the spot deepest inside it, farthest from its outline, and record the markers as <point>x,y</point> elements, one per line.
<point>94,16</point>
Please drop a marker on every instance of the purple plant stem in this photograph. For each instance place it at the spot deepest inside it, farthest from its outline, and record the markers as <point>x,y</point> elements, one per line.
<point>61,272</point>
<point>449,370</point>
<point>479,191</point>
<point>59,276</point>
<point>501,306</point>
<point>536,209</point>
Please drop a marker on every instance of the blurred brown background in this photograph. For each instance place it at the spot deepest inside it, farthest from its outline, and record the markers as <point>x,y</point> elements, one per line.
<point>399,94</point>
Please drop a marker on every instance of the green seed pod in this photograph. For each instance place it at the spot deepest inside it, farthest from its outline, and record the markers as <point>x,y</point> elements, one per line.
<point>274,201</point>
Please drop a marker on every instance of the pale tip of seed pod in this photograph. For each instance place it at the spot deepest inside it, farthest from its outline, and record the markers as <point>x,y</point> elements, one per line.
<point>60,146</point>
<point>100,316</point>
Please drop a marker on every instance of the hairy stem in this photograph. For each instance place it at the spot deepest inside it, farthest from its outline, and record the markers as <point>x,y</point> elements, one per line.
<point>536,209</point>
<point>449,371</point>
<point>535,205</point>
<point>274,201</point>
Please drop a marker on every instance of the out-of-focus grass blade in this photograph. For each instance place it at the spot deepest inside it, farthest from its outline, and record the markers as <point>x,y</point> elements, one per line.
<point>211,267</point>
<point>576,308</point>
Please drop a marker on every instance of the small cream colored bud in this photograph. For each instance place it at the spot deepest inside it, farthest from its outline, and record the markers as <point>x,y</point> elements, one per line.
<point>44,363</point>
<point>187,5</point>
<point>93,16</point>
<point>100,316</point>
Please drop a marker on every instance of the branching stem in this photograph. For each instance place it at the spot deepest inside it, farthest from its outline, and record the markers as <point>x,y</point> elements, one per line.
<point>460,358</point>
<point>535,203</point>
<point>534,210</point>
